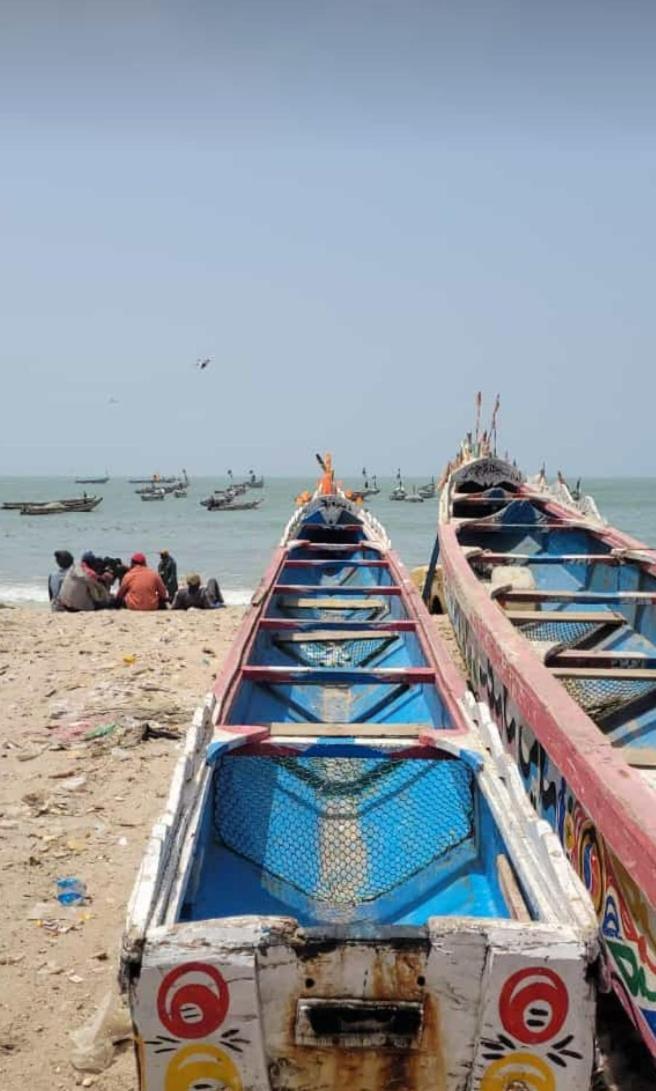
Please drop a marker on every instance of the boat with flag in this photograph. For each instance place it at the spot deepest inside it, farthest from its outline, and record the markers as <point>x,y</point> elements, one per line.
<point>555,615</point>
<point>348,887</point>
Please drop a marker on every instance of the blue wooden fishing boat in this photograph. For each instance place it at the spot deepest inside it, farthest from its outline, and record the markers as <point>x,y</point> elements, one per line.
<point>348,887</point>
<point>555,615</point>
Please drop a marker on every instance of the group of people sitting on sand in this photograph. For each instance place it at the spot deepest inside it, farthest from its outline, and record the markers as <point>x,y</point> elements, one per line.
<point>87,585</point>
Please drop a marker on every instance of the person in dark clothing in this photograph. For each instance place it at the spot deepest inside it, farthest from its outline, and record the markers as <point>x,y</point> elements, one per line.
<point>168,571</point>
<point>193,596</point>
<point>64,561</point>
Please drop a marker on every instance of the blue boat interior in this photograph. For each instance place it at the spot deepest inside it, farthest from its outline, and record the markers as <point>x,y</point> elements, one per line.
<point>320,823</point>
<point>358,839</point>
<point>589,611</point>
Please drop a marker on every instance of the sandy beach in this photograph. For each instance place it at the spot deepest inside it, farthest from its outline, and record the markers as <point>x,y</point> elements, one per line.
<point>71,805</point>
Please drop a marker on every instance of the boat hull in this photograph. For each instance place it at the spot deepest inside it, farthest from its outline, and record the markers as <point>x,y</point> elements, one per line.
<point>382,982</point>
<point>601,810</point>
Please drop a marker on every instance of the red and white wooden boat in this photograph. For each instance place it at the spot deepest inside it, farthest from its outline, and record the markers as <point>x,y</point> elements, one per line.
<point>555,615</point>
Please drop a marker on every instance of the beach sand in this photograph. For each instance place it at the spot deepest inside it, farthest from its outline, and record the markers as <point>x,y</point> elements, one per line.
<point>70,806</point>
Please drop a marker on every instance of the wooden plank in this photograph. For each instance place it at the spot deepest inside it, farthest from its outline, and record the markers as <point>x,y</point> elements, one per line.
<point>512,894</point>
<point>335,635</point>
<point>323,563</point>
<point>568,657</point>
<point>602,617</point>
<point>340,730</point>
<point>563,558</point>
<point>639,757</point>
<point>335,547</point>
<point>628,674</point>
<point>333,602</point>
<point>321,589</point>
<point>601,597</point>
<point>352,675</point>
<point>302,625</point>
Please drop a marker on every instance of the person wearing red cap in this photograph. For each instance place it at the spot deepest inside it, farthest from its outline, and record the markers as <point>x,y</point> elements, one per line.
<point>141,588</point>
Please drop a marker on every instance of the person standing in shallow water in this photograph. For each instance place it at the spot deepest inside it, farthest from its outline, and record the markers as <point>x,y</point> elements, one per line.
<point>168,571</point>
<point>64,561</point>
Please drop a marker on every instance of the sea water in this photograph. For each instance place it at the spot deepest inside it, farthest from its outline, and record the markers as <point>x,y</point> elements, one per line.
<point>234,547</point>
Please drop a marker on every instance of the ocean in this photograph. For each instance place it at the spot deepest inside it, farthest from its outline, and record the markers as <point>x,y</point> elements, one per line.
<point>233,547</point>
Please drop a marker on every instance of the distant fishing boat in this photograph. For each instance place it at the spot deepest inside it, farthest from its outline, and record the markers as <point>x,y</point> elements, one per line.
<point>398,492</point>
<point>414,497</point>
<point>347,891</point>
<point>92,480</point>
<point>153,494</point>
<point>180,494</point>
<point>61,507</point>
<point>427,492</point>
<point>214,504</point>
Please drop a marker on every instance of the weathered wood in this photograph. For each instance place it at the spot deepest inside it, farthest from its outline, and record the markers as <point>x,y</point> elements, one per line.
<point>601,617</point>
<point>513,896</point>
<point>370,730</point>
<point>332,602</point>
<point>353,675</point>
<point>577,596</point>
<point>627,674</point>
<point>334,635</point>
<point>640,757</point>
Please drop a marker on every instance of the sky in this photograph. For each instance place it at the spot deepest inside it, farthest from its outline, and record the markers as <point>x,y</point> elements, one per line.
<point>363,210</point>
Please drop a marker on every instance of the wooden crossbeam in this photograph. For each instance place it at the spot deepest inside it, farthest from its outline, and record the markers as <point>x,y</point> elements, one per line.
<point>348,675</point>
<point>359,730</point>
<point>626,674</point>
<point>309,563</point>
<point>499,528</point>
<point>310,589</point>
<point>335,635</point>
<point>302,625</point>
<point>489,557</point>
<point>640,757</point>
<point>601,597</point>
<point>599,617</point>
<point>567,657</point>
<point>332,602</point>
<point>335,547</point>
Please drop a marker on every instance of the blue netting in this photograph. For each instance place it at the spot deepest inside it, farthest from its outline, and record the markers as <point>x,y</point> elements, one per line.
<point>343,830</point>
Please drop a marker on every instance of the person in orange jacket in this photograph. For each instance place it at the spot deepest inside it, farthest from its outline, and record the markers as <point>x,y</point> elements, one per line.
<point>141,588</point>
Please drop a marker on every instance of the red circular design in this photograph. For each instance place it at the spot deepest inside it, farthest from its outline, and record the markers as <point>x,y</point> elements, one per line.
<point>210,997</point>
<point>539,989</point>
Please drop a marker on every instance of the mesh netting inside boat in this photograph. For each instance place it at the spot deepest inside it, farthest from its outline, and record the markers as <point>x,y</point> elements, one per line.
<point>603,695</point>
<point>327,653</point>
<point>343,830</point>
<point>569,633</point>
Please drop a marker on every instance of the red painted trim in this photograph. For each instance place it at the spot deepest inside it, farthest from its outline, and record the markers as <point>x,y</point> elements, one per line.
<point>614,795</point>
<point>299,675</point>
<point>336,592</point>
<point>331,564</point>
<point>402,625</point>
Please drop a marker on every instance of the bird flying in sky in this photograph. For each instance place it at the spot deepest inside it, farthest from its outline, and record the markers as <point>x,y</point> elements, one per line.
<point>202,363</point>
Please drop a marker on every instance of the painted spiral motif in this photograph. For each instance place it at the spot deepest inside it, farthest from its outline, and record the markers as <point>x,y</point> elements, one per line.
<point>590,860</point>
<point>198,1065</point>
<point>533,1005</point>
<point>518,1072</point>
<point>193,1000</point>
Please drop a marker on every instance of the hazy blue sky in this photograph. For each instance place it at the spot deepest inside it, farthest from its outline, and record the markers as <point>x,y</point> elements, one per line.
<point>364,210</point>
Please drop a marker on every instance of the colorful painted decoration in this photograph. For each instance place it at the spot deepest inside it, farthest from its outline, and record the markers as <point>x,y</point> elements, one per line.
<point>533,1005</point>
<point>519,1072</point>
<point>194,1064</point>
<point>193,1000</point>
